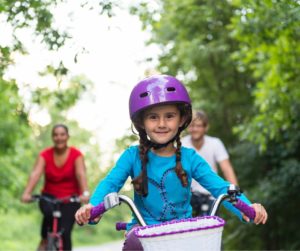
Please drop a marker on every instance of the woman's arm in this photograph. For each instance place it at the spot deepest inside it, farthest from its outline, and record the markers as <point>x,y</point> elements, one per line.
<point>34,177</point>
<point>80,171</point>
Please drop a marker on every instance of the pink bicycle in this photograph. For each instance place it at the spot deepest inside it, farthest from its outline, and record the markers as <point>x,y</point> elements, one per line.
<point>199,233</point>
<point>54,237</point>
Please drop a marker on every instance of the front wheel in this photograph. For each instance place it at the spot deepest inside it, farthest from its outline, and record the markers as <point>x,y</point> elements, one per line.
<point>53,243</point>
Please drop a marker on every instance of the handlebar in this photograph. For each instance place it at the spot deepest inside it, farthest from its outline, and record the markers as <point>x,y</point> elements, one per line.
<point>232,193</point>
<point>244,208</point>
<point>121,226</point>
<point>97,211</point>
<point>113,199</point>
<point>37,197</point>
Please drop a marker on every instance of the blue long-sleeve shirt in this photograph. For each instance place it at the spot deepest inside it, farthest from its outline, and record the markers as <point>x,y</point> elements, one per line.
<point>167,199</point>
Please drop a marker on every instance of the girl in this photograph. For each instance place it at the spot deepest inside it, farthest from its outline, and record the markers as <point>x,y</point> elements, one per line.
<point>161,170</point>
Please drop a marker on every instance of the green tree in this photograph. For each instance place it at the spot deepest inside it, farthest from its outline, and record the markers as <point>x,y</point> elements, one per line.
<point>15,139</point>
<point>268,33</point>
<point>196,46</point>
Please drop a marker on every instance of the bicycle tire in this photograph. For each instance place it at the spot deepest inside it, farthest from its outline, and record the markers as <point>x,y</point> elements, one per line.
<point>52,243</point>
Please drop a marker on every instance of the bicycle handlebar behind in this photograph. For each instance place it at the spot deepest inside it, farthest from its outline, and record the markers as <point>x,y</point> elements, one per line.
<point>37,197</point>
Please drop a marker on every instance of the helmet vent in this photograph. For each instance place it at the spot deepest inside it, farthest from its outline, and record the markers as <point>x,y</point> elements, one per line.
<point>171,89</point>
<point>144,94</point>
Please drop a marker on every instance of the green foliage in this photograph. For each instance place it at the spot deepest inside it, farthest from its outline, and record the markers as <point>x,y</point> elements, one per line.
<point>128,139</point>
<point>12,115</point>
<point>14,150</point>
<point>197,47</point>
<point>269,35</point>
<point>35,14</point>
<point>5,59</point>
<point>275,183</point>
<point>61,98</point>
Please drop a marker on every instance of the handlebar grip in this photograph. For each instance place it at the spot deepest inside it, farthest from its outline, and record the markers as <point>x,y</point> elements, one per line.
<point>247,210</point>
<point>97,211</point>
<point>121,226</point>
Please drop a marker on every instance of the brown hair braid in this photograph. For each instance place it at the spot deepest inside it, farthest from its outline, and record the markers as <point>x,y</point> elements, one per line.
<point>140,183</point>
<point>181,174</point>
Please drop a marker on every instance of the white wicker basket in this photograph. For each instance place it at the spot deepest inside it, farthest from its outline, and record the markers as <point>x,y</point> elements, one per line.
<point>200,233</point>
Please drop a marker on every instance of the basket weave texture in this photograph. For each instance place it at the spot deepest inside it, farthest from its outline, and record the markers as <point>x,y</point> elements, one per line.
<point>200,233</point>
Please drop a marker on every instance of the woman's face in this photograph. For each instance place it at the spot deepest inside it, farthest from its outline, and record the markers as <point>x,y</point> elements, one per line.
<point>60,137</point>
<point>161,123</point>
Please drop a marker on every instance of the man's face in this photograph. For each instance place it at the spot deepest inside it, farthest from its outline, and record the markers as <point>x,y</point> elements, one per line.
<point>197,129</point>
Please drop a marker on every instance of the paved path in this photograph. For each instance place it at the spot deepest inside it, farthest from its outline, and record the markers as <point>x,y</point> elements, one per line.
<point>111,246</point>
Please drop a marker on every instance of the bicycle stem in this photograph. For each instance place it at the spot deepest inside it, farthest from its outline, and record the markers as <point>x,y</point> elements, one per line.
<point>113,199</point>
<point>232,192</point>
<point>217,204</point>
<point>133,208</point>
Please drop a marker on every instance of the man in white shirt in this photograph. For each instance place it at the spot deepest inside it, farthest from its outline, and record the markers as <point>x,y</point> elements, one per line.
<point>214,152</point>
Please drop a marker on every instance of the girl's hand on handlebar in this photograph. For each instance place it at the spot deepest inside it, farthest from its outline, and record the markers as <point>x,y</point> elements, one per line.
<point>83,215</point>
<point>261,214</point>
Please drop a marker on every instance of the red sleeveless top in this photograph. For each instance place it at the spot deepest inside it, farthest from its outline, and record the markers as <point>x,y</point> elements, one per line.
<point>60,181</point>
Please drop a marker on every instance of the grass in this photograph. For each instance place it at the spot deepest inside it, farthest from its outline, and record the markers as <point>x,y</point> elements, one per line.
<point>21,229</point>
<point>103,232</point>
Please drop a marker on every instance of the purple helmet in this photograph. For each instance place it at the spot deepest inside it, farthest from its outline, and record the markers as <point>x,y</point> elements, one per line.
<point>159,89</point>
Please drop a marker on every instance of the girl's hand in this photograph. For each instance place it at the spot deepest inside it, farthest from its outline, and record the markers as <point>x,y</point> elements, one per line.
<point>261,214</point>
<point>83,214</point>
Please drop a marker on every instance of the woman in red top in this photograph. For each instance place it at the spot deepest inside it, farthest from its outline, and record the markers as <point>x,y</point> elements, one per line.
<point>64,175</point>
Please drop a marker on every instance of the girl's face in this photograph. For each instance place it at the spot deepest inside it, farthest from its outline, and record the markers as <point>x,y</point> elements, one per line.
<point>60,137</point>
<point>161,123</point>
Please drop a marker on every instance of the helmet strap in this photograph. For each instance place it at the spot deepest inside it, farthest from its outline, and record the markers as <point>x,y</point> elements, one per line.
<point>159,146</point>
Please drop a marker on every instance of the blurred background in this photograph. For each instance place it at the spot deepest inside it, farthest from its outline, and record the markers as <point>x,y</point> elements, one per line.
<point>75,62</point>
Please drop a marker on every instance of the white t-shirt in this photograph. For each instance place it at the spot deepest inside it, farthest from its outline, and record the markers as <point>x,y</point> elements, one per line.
<point>212,150</point>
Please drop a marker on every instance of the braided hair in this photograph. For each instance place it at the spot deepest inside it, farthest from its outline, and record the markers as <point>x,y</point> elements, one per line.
<point>140,183</point>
